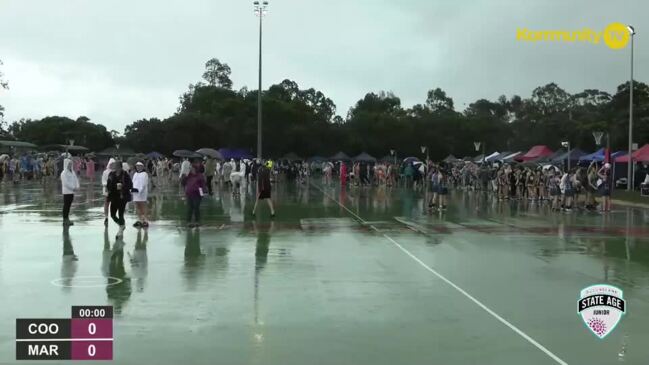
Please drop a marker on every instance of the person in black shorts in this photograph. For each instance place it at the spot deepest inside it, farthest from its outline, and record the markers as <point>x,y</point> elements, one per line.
<point>264,187</point>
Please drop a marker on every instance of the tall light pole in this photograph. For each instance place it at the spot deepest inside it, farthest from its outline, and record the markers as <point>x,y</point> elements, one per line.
<point>260,11</point>
<point>629,185</point>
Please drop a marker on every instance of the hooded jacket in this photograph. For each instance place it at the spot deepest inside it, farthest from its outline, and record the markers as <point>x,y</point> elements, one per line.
<point>69,181</point>
<point>104,175</point>
<point>141,183</point>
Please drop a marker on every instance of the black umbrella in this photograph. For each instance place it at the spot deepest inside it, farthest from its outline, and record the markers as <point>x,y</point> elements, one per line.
<point>187,154</point>
<point>210,152</point>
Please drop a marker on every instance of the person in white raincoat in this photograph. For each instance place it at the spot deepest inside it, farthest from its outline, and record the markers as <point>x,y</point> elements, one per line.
<point>184,168</point>
<point>104,181</point>
<point>140,194</point>
<point>69,183</point>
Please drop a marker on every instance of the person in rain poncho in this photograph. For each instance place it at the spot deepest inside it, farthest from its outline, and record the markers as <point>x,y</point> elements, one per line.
<point>104,181</point>
<point>140,194</point>
<point>236,177</point>
<point>69,183</point>
<point>210,168</point>
<point>227,171</point>
<point>90,168</point>
<point>119,187</point>
<point>184,168</point>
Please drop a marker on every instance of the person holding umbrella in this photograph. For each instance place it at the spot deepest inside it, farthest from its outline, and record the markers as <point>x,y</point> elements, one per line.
<point>119,186</point>
<point>195,186</point>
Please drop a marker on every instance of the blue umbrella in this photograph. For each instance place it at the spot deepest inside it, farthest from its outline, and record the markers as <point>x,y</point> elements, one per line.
<point>410,159</point>
<point>154,155</point>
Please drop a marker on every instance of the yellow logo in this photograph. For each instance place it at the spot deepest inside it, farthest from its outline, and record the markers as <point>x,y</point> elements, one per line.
<point>615,35</point>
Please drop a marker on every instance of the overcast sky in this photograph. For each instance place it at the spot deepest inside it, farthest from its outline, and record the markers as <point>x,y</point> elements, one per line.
<point>118,61</point>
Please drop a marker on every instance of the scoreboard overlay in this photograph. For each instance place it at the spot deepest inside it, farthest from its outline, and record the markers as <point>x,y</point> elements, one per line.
<point>87,335</point>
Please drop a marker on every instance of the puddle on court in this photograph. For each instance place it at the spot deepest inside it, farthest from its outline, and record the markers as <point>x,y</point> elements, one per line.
<point>257,284</point>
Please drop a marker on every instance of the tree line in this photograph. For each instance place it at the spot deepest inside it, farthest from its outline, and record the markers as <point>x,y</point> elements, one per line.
<point>305,121</point>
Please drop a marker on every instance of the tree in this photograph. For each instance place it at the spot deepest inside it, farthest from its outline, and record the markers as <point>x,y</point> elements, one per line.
<point>58,130</point>
<point>217,74</point>
<point>550,99</point>
<point>3,85</point>
<point>437,101</point>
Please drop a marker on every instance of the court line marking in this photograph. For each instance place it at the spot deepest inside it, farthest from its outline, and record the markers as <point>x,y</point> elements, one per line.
<point>453,285</point>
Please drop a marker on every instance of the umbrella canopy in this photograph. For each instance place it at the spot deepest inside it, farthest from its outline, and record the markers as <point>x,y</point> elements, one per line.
<point>640,155</point>
<point>364,157</point>
<point>600,155</point>
<point>535,152</point>
<point>235,153</point>
<point>573,155</point>
<point>210,152</point>
<point>410,159</point>
<point>17,144</point>
<point>451,158</point>
<point>340,156</point>
<point>291,156</point>
<point>316,159</point>
<point>113,151</point>
<point>478,158</point>
<point>187,154</point>
<point>64,147</point>
<point>498,157</point>
<point>511,157</point>
<point>154,155</point>
<point>488,157</point>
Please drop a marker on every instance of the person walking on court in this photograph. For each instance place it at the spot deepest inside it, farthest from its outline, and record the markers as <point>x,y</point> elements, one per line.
<point>104,181</point>
<point>343,174</point>
<point>140,194</point>
<point>119,187</point>
<point>69,183</point>
<point>195,187</point>
<point>210,169</point>
<point>264,187</point>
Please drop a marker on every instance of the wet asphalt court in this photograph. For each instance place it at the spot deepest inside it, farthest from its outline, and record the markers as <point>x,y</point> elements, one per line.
<point>355,276</point>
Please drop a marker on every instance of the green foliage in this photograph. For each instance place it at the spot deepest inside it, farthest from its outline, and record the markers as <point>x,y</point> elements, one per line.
<point>59,130</point>
<point>217,74</point>
<point>304,121</point>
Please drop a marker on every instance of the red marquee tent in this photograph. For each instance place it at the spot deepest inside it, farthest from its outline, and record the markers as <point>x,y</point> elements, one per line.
<point>535,152</point>
<point>641,155</point>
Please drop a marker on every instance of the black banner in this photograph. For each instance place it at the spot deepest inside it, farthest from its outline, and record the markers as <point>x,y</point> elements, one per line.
<point>43,328</point>
<point>602,300</point>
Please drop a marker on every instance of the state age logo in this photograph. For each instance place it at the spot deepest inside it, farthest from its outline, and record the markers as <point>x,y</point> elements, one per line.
<point>601,307</point>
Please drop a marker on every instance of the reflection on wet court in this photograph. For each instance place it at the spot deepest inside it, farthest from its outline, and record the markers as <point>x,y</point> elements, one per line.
<point>354,276</point>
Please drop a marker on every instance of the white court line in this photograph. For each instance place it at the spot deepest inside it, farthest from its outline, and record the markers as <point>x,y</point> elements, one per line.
<point>452,284</point>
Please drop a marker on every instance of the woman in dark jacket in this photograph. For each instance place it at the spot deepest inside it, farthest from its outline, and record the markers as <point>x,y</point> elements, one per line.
<point>119,187</point>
